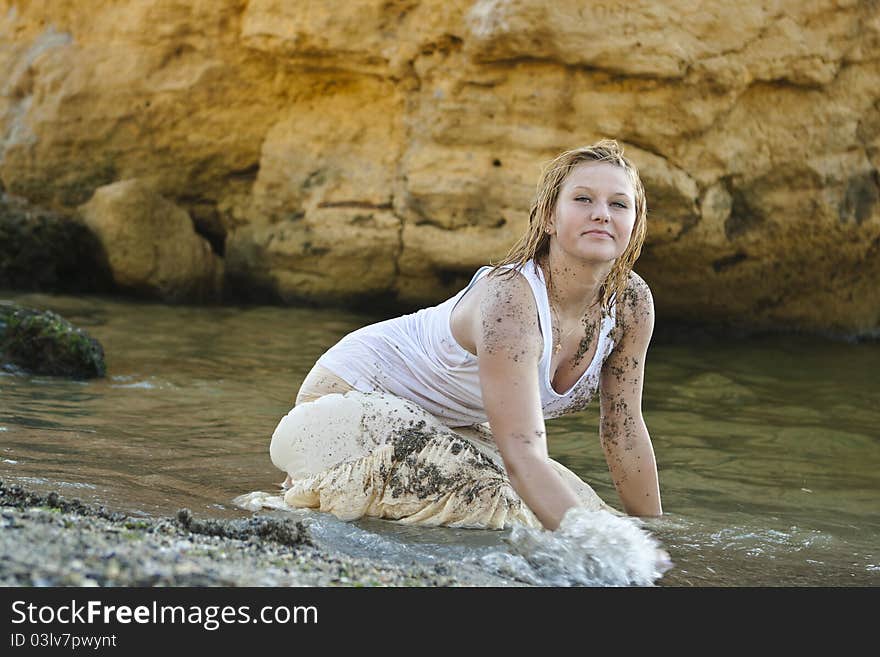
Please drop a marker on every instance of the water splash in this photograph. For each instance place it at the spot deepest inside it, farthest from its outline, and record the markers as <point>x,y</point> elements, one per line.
<point>590,548</point>
<point>258,500</point>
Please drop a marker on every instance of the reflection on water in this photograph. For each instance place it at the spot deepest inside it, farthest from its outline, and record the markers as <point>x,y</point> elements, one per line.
<point>769,450</point>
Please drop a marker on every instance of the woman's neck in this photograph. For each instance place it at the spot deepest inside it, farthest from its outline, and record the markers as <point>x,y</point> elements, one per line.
<point>573,285</point>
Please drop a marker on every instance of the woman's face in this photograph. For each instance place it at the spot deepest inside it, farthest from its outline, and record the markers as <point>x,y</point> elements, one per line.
<point>595,212</point>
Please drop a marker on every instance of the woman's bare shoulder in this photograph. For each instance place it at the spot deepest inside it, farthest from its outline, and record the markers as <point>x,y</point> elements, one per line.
<point>637,294</point>
<point>501,304</point>
<point>510,281</point>
<point>635,309</point>
<point>496,289</point>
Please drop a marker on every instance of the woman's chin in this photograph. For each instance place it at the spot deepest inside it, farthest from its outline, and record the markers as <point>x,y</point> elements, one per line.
<point>595,256</point>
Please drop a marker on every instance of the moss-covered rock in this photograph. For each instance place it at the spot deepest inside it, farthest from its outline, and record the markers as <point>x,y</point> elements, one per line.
<point>43,342</point>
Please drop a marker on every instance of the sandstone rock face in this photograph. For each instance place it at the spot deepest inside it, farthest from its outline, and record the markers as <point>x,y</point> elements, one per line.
<point>390,147</point>
<point>150,243</point>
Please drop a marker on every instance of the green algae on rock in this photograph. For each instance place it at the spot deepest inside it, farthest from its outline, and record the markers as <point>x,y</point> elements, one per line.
<point>43,342</point>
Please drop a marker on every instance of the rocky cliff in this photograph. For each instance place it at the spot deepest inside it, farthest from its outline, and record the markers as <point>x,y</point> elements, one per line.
<point>329,151</point>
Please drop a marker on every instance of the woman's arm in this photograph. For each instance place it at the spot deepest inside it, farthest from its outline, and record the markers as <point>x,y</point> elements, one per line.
<point>509,346</point>
<point>622,429</point>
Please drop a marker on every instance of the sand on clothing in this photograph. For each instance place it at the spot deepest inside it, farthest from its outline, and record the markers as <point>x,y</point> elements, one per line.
<point>373,454</point>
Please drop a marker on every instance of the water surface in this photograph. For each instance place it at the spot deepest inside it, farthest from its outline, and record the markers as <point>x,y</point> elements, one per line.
<point>768,448</point>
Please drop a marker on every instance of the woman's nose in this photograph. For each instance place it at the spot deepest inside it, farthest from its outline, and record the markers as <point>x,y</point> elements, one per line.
<point>601,212</point>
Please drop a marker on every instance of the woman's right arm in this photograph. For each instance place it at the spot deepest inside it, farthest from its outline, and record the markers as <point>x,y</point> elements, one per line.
<point>509,346</point>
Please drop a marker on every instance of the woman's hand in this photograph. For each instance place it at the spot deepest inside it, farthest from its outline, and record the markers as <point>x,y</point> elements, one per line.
<point>622,430</point>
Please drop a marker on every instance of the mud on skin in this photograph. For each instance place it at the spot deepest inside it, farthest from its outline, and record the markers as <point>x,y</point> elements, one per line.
<point>634,312</point>
<point>587,341</point>
<point>506,318</point>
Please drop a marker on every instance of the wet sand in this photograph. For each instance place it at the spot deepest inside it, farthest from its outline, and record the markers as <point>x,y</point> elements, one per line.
<point>49,540</point>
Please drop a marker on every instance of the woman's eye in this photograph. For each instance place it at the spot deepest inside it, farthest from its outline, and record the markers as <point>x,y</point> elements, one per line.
<point>587,198</point>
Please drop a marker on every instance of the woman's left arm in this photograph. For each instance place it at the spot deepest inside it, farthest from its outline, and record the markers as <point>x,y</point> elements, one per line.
<point>622,431</point>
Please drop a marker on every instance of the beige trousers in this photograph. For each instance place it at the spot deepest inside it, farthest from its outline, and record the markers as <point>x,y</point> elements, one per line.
<point>359,454</point>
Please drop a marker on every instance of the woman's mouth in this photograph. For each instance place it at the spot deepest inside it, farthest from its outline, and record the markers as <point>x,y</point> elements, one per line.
<point>602,234</point>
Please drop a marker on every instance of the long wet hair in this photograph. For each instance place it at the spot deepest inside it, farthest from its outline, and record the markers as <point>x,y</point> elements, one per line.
<point>535,243</point>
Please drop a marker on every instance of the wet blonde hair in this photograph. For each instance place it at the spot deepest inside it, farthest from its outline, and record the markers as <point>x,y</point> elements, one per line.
<point>535,243</point>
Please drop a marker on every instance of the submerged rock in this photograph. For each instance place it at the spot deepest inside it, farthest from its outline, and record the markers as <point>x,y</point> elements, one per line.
<point>43,342</point>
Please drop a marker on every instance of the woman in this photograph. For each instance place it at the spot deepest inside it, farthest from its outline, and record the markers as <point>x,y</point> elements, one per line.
<point>530,339</point>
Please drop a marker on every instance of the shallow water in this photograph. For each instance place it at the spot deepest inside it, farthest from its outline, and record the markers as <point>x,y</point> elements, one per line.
<point>768,449</point>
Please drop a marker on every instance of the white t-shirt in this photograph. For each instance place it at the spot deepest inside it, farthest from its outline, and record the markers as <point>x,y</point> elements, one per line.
<point>416,357</point>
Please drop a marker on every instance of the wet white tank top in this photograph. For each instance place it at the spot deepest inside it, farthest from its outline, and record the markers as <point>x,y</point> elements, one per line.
<point>416,357</point>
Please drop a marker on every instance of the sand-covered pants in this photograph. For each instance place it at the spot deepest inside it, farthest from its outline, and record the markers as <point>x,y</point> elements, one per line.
<point>357,454</point>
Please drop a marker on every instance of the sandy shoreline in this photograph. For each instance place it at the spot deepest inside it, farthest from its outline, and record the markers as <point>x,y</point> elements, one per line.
<point>50,540</point>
